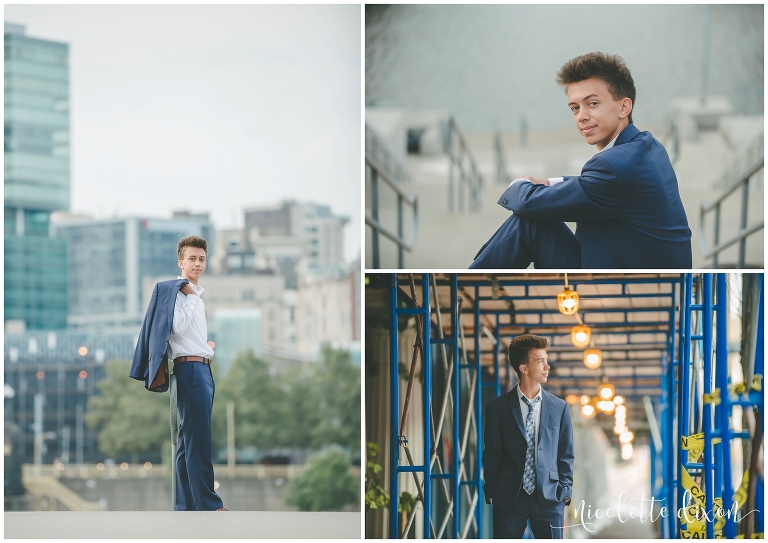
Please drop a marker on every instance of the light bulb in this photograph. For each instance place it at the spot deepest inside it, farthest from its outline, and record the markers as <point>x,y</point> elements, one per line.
<point>626,437</point>
<point>626,451</point>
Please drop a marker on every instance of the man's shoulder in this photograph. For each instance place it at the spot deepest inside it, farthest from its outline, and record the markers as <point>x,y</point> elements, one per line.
<point>170,283</point>
<point>504,398</point>
<point>559,402</point>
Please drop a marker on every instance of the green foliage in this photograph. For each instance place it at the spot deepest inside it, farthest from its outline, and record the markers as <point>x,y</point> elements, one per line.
<point>406,503</point>
<point>131,419</point>
<point>326,485</point>
<point>337,385</point>
<point>375,495</point>
<point>307,407</point>
<point>258,404</point>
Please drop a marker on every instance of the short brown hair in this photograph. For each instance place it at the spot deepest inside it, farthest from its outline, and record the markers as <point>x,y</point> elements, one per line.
<point>611,69</point>
<point>191,241</point>
<point>521,346</point>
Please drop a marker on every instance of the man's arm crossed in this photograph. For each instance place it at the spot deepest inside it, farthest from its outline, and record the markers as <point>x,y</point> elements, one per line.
<point>595,196</point>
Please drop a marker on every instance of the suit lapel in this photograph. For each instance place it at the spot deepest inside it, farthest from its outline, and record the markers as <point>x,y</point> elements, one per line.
<point>517,413</point>
<point>546,404</point>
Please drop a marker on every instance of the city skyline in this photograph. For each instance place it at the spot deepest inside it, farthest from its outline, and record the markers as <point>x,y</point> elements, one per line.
<point>179,109</point>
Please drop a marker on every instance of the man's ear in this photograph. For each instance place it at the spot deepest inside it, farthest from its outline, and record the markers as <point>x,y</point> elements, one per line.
<point>626,108</point>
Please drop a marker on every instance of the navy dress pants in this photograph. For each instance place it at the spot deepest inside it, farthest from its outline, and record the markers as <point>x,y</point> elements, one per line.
<point>520,241</point>
<point>194,466</point>
<point>546,522</point>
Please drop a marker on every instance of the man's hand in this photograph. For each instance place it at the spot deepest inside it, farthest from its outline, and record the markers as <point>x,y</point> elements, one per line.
<point>536,181</point>
<point>188,290</point>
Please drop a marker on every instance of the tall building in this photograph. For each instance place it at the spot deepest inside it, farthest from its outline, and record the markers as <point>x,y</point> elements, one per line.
<point>286,240</point>
<point>36,155</point>
<point>107,260</point>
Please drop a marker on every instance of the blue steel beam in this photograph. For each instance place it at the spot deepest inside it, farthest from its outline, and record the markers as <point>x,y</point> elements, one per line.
<point>394,424</point>
<point>709,483</point>
<point>455,384</point>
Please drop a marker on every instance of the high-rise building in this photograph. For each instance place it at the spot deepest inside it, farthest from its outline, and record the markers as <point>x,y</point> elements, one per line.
<point>108,258</point>
<point>287,240</point>
<point>36,155</point>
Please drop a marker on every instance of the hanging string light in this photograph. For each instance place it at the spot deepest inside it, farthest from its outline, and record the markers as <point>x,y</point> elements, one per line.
<point>593,358</point>
<point>568,300</point>
<point>581,335</point>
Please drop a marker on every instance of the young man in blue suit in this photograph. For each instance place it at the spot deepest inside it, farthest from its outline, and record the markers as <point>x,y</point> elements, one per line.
<point>175,328</point>
<point>528,449</point>
<point>626,202</point>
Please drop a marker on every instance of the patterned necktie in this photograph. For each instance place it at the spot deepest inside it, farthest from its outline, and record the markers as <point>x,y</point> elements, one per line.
<point>529,475</point>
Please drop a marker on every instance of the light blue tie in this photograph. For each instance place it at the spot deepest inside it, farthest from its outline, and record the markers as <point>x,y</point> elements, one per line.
<point>529,475</point>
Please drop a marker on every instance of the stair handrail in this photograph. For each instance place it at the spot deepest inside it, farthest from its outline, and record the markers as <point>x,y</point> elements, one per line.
<point>378,172</point>
<point>750,162</point>
<point>500,165</point>
<point>379,152</point>
<point>461,158</point>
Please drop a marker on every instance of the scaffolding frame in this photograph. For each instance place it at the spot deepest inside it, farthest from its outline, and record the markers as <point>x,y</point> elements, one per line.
<point>466,462</point>
<point>700,388</point>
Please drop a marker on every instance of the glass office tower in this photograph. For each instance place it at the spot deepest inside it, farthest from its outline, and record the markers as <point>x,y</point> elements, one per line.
<point>36,179</point>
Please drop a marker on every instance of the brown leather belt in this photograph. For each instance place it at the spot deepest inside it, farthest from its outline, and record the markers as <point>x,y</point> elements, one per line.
<point>192,359</point>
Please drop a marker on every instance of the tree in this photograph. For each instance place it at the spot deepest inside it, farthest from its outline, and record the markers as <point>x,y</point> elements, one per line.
<point>337,383</point>
<point>259,404</point>
<point>132,420</point>
<point>326,485</point>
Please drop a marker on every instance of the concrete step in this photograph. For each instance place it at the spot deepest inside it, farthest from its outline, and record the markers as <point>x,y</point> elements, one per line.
<point>182,525</point>
<point>451,240</point>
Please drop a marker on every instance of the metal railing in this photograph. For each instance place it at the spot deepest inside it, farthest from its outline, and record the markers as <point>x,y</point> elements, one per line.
<point>374,173</point>
<point>500,164</point>
<point>753,163</point>
<point>378,151</point>
<point>469,177</point>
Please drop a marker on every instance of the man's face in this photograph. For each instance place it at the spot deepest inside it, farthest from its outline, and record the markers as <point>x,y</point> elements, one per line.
<point>537,368</point>
<point>193,264</point>
<point>599,117</point>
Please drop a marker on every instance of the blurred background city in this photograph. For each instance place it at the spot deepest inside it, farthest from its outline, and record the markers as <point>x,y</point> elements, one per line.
<point>460,100</point>
<point>127,128</point>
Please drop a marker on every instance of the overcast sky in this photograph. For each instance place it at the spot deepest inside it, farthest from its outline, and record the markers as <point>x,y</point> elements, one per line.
<point>210,108</point>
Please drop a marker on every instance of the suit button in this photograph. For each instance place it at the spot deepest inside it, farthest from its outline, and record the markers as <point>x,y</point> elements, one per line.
<point>504,201</point>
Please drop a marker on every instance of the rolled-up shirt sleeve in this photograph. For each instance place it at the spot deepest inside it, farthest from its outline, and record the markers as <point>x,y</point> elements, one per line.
<point>183,311</point>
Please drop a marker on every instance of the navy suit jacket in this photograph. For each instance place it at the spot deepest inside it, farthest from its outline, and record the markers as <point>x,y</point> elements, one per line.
<point>505,446</point>
<point>626,203</point>
<point>150,360</point>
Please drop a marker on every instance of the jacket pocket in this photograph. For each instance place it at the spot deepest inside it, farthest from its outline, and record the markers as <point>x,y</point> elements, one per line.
<point>554,475</point>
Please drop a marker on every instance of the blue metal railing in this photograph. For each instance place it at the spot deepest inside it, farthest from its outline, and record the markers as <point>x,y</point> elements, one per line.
<point>708,412</point>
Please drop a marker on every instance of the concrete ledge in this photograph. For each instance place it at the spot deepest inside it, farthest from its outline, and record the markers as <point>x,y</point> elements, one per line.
<point>181,525</point>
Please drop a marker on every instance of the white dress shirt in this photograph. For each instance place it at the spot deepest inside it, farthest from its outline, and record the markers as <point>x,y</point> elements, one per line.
<point>536,419</point>
<point>189,336</point>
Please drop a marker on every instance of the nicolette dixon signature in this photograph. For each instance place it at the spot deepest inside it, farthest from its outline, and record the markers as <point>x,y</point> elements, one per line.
<point>645,512</point>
